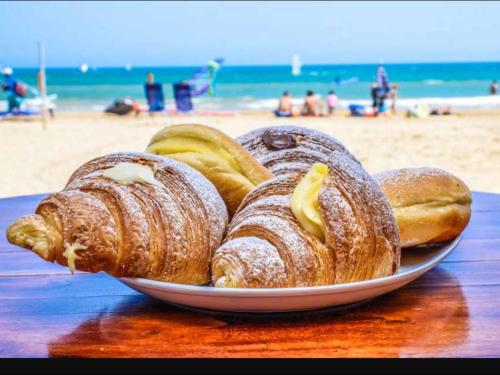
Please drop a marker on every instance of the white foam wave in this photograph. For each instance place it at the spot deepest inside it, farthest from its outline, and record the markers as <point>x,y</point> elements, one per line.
<point>433,82</point>
<point>249,103</point>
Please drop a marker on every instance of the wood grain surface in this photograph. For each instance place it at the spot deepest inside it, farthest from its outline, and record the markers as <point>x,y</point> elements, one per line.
<point>451,311</point>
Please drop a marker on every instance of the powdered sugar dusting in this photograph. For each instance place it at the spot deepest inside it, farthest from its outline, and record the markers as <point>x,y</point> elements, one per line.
<point>169,230</point>
<point>362,237</point>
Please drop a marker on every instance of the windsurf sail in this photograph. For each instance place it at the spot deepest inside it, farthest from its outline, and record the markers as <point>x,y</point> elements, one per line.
<point>296,65</point>
<point>83,68</point>
<point>203,81</point>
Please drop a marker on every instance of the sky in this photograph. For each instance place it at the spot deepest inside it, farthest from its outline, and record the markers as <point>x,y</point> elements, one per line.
<point>247,33</point>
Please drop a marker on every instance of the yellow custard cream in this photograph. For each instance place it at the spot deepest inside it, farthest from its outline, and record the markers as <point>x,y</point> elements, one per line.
<point>305,205</point>
<point>71,255</point>
<point>127,173</point>
<point>194,151</point>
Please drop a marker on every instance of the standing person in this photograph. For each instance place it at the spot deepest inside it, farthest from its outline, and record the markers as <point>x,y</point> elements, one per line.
<point>394,97</point>
<point>373,95</point>
<point>285,106</point>
<point>310,105</point>
<point>384,87</point>
<point>15,91</point>
<point>331,101</point>
<point>378,97</point>
<point>493,88</point>
<point>383,79</point>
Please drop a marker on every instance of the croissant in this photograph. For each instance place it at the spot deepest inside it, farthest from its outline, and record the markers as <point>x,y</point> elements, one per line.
<point>285,149</point>
<point>333,225</point>
<point>232,169</point>
<point>129,214</point>
<point>430,205</point>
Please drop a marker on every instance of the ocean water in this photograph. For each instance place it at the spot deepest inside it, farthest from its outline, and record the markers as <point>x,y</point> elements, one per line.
<point>258,87</point>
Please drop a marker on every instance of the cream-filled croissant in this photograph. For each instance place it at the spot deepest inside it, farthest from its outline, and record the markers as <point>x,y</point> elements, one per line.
<point>286,149</point>
<point>232,169</point>
<point>129,214</point>
<point>333,225</point>
<point>430,205</point>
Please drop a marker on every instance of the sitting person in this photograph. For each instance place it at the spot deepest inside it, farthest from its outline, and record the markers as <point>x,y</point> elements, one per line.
<point>311,107</point>
<point>445,111</point>
<point>285,106</point>
<point>14,90</point>
<point>331,101</point>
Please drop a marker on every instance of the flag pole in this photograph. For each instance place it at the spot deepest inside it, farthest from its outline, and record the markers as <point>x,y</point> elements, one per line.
<point>42,82</point>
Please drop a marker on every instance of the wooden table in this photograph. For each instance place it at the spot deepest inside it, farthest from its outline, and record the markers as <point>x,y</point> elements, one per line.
<point>453,310</point>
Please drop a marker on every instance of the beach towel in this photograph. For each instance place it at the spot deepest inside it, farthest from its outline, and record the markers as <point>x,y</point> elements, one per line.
<point>282,114</point>
<point>357,110</point>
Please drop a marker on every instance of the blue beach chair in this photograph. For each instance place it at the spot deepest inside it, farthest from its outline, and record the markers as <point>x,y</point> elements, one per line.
<point>154,96</point>
<point>182,95</point>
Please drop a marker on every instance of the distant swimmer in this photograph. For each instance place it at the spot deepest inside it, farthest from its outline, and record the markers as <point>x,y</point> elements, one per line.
<point>493,88</point>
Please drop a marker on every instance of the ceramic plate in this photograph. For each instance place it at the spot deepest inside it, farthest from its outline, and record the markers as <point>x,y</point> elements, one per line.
<point>414,263</point>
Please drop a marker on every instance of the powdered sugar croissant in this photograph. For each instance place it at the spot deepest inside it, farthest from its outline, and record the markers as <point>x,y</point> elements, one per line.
<point>231,168</point>
<point>129,214</point>
<point>333,225</point>
<point>286,149</point>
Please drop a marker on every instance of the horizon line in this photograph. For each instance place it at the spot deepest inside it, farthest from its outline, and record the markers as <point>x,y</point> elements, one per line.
<point>256,65</point>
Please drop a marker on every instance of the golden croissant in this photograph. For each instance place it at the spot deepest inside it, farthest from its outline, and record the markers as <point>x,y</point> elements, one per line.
<point>129,214</point>
<point>286,149</point>
<point>231,168</point>
<point>430,205</point>
<point>333,225</point>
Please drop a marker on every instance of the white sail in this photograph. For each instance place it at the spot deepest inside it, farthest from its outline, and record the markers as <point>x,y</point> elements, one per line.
<point>296,65</point>
<point>84,68</point>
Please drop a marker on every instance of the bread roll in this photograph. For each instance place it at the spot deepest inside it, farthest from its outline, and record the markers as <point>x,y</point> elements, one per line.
<point>430,205</point>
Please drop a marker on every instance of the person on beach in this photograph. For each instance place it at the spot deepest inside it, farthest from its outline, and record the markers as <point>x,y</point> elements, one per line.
<point>285,106</point>
<point>378,95</point>
<point>493,88</point>
<point>311,107</point>
<point>383,79</point>
<point>393,94</point>
<point>331,101</point>
<point>15,91</point>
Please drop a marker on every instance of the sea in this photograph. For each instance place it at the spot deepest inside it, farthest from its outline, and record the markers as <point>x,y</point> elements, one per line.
<point>257,88</point>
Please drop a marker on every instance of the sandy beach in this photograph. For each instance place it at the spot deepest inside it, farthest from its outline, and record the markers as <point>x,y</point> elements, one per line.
<point>34,160</point>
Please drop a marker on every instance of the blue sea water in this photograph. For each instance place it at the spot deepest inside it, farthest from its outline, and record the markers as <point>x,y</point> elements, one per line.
<point>257,87</point>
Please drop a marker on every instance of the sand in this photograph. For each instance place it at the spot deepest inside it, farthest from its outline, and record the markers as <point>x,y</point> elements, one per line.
<point>34,160</point>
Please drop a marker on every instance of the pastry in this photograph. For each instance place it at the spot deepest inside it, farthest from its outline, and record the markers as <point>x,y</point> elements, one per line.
<point>285,149</point>
<point>231,168</point>
<point>430,205</point>
<point>333,225</point>
<point>129,214</point>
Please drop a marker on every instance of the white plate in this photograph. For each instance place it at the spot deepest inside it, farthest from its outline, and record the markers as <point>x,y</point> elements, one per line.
<point>414,263</point>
